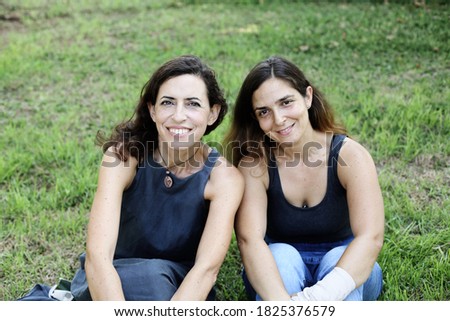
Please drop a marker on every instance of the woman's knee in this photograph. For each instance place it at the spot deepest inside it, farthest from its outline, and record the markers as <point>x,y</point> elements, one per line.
<point>285,254</point>
<point>148,279</point>
<point>329,261</point>
<point>373,286</point>
<point>290,266</point>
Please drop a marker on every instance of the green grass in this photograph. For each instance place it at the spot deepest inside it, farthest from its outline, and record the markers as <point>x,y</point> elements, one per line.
<point>68,69</point>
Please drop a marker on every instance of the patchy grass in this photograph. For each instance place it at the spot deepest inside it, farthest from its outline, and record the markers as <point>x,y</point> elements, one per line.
<point>68,69</point>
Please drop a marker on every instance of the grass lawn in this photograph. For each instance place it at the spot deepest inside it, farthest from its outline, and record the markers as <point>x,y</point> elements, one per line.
<point>71,68</point>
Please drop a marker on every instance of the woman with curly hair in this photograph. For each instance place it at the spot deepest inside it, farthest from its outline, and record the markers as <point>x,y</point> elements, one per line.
<point>162,217</point>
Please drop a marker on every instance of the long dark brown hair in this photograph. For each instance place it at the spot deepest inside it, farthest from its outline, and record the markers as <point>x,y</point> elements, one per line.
<point>138,136</point>
<point>245,137</point>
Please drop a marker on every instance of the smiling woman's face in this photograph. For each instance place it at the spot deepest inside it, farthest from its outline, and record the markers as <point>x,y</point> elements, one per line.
<point>182,111</point>
<point>281,111</point>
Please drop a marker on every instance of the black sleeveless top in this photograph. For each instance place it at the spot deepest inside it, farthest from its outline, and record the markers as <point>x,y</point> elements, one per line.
<point>161,222</point>
<point>325,222</point>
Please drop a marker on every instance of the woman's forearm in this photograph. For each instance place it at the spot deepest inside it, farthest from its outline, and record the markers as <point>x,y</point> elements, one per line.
<point>104,283</point>
<point>363,250</point>
<point>262,271</point>
<point>197,284</point>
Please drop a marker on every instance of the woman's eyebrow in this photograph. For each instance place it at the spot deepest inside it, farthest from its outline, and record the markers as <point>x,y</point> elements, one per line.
<point>193,98</point>
<point>277,102</point>
<point>284,98</point>
<point>167,97</point>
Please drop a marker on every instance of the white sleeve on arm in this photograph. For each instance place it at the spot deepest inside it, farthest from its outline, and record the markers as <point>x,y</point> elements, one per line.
<point>335,286</point>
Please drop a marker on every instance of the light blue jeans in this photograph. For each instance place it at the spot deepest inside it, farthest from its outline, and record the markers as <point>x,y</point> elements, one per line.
<point>303,265</point>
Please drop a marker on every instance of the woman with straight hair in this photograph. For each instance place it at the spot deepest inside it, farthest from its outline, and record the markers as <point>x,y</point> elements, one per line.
<point>311,222</point>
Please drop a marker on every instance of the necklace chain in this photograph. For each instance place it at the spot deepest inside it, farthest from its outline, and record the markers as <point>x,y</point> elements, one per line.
<point>174,165</point>
<point>168,181</point>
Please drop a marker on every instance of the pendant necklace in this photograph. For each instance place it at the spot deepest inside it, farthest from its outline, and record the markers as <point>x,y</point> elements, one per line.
<point>168,181</point>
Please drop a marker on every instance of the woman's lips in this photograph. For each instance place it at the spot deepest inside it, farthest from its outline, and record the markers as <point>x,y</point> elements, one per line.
<point>285,131</point>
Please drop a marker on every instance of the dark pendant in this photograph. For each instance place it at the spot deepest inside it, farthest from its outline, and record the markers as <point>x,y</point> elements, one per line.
<point>168,181</point>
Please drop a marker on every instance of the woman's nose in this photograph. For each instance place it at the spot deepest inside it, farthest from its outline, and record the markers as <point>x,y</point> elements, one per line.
<point>278,117</point>
<point>180,113</point>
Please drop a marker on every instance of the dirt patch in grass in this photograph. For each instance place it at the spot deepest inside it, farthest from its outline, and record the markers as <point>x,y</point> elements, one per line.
<point>428,176</point>
<point>9,22</point>
<point>432,172</point>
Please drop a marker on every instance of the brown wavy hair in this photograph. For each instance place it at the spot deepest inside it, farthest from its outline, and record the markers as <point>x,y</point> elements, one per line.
<point>245,137</point>
<point>138,136</point>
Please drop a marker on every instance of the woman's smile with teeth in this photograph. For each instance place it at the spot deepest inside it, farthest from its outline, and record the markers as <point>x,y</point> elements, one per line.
<point>179,131</point>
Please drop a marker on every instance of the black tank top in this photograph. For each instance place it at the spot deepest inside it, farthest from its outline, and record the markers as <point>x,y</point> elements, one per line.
<point>325,222</point>
<point>161,222</point>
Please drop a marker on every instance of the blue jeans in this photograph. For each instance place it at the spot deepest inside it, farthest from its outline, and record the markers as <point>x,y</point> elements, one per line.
<point>303,265</point>
<point>142,279</point>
